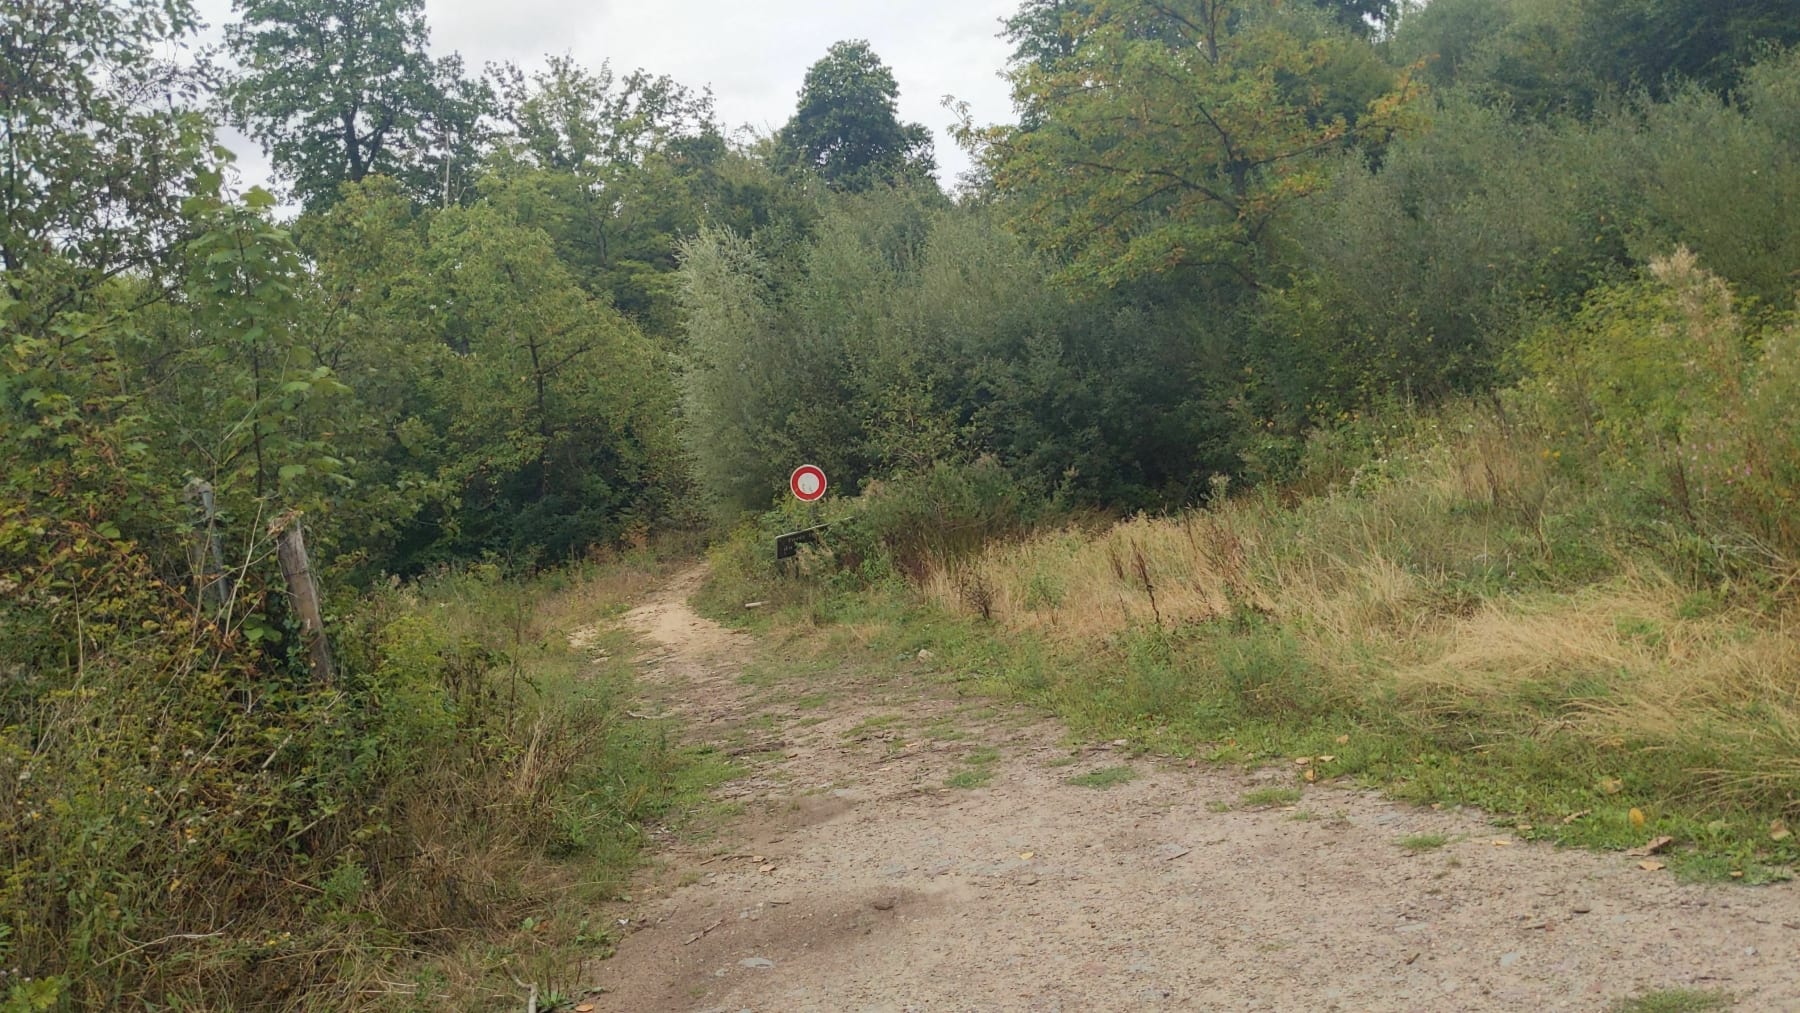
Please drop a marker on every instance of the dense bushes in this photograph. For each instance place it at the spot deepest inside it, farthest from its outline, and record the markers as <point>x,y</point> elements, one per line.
<point>1685,406</point>
<point>184,826</point>
<point>908,334</point>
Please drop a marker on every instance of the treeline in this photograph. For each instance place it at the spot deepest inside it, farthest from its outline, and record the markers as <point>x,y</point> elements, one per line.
<point>1220,226</point>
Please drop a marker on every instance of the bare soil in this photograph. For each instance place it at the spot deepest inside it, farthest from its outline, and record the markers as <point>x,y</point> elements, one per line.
<point>853,879</point>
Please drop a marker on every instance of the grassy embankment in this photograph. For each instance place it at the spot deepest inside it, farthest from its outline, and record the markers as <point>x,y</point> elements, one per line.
<point>434,831</point>
<point>1490,605</point>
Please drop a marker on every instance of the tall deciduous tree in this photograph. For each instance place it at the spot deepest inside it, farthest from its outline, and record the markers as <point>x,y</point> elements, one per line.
<point>611,168</point>
<point>1172,132</point>
<point>846,127</point>
<point>335,90</point>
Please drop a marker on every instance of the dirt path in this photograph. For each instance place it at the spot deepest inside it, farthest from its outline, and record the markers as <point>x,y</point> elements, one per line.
<point>854,880</point>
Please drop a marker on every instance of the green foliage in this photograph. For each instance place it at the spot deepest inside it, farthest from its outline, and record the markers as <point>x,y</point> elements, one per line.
<point>178,829</point>
<point>92,176</point>
<point>938,515</point>
<point>557,410</point>
<point>616,170</point>
<point>1246,101</point>
<point>336,90</point>
<point>845,127</point>
<point>904,335</point>
<point>1539,58</point>
<point>1684,405</point>
<point>1674,1000</point>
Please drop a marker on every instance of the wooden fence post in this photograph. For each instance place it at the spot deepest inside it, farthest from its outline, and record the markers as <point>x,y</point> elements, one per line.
<point>290,549</point>
<point>215,583</point>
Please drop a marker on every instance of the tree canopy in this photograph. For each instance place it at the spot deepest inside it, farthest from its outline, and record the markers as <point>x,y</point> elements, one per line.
<point>339,89</point>
<point>846,127</point>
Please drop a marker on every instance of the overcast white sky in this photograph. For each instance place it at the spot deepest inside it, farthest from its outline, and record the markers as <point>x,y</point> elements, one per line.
<point>753,53</point>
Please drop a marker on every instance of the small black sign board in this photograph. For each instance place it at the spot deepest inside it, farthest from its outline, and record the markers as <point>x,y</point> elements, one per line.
<point>788,546</point>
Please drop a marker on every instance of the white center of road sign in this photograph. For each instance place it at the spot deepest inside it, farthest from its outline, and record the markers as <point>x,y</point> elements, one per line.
<point>808,483</point>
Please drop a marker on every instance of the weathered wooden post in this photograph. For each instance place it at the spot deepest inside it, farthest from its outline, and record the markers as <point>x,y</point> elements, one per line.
<point>215,583</point>
<point>296,569</point>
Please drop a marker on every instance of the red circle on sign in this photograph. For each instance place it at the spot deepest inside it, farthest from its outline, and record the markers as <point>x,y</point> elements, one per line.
<point>808,483</point>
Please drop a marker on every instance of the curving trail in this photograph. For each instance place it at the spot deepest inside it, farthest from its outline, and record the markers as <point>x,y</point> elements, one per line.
<point>854,880</point>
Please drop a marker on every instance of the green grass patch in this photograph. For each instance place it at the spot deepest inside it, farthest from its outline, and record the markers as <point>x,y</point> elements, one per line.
<point>1270,797</point>
<point>974,777</point>
<point>1105,777</point>
<point>986,754</point>
<point>945,731</point>
<point>980,770</point>
<point>1674,1000</point>
<point>1424,842</point>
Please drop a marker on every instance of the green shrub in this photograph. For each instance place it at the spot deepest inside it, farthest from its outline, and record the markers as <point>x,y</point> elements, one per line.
<point>940,515</point>
<point>1682,408</point>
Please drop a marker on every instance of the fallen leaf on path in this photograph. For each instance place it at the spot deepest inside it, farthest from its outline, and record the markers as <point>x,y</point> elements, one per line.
<point>1778,831</point>
<point>769,868</point>
<point>1026,856</point>
<point>1653,866</point>
<point>1652,848</point>
<point>1327,759</point>
<point>1302,760</point>
<point>1637,819</point>
<point>586,1007</point>
<point>1572,817</point>
<point>1498,843</point>
<point>1611,785</point>
<point>1311,776</point>
<point>1343,740</point>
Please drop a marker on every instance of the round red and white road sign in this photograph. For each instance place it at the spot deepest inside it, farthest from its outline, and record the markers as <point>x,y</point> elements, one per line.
<point>808,483</point>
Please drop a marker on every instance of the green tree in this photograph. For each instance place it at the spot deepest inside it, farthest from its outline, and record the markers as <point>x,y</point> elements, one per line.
<point>1653,43</point>
<point>1364,17</point>
<point>558,415</point>
<point>846,128</point>
<point>100,141</point>
<point>1173,133</point>
<point>614,169</point>
<point>335,90</point>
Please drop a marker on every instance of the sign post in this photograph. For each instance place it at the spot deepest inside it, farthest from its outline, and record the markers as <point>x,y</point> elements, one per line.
<point>807,483</point>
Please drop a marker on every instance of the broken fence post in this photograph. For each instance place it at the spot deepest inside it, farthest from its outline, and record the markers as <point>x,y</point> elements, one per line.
<point>296,569</point>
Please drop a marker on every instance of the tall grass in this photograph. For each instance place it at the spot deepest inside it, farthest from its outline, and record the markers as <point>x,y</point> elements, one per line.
<point>426,830</point>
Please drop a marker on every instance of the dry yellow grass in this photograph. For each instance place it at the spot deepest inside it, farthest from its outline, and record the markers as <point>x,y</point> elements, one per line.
<point>1610,662</point>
